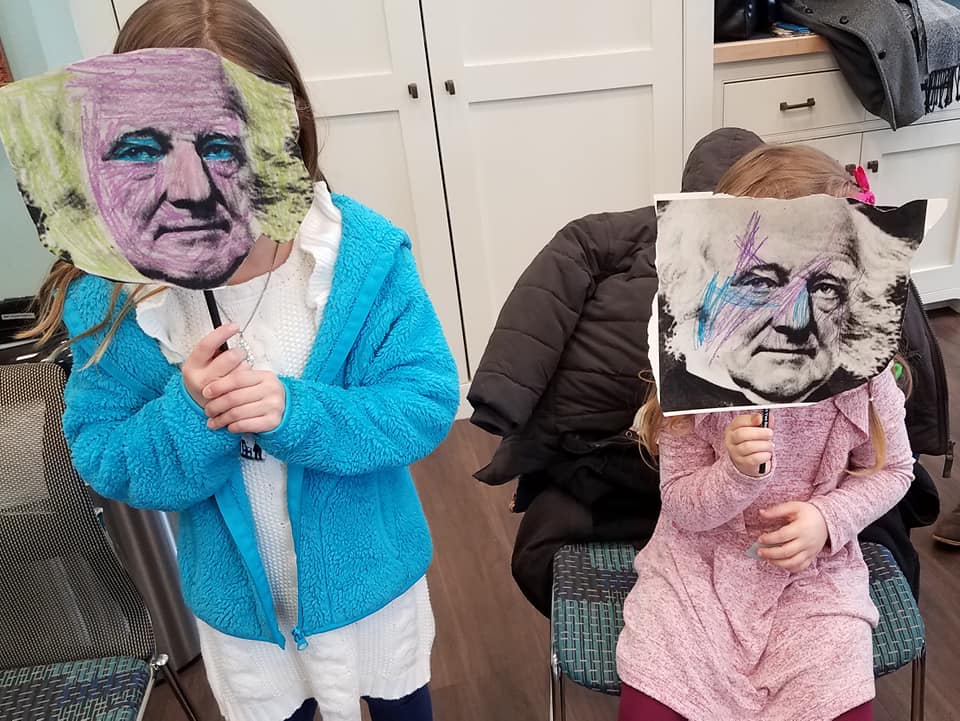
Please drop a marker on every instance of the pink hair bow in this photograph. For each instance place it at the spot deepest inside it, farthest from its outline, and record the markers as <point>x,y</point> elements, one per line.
<point>865,195</point>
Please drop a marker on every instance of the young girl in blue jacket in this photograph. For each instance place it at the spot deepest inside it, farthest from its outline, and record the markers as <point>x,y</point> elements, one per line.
<point>302,544</point>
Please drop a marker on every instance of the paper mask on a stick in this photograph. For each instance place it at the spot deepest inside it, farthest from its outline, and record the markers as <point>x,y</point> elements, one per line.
<point>766,303</point>
<point>161,165</point>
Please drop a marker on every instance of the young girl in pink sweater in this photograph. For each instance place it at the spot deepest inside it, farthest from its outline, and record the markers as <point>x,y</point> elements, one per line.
<point>714,634</point>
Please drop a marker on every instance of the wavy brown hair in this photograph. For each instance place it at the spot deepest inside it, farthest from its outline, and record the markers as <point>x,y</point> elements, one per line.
<point>235,30</point>
<point>785,172</point>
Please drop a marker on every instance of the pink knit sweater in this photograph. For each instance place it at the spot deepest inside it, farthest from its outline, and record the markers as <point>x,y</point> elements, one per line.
<point>720,636</point>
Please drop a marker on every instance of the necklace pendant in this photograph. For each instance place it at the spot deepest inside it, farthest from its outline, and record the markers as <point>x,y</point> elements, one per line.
<point>245,347</point>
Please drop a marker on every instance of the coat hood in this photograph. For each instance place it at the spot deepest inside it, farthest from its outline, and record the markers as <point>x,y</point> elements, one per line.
<point>713,156</point>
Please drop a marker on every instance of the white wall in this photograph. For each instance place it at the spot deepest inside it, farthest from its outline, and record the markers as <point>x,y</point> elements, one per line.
<point>37,35</point>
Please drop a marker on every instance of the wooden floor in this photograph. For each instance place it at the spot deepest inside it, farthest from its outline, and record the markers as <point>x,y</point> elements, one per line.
<point>490,656</point>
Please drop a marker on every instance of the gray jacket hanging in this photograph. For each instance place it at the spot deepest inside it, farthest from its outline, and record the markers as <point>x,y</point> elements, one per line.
<point>874,45</point>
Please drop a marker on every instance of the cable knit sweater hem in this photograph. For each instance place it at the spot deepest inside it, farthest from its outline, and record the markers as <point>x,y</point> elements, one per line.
<point>386,655</point>
<point>281,708</point>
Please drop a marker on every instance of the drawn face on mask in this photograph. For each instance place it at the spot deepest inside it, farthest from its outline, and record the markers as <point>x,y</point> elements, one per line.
<point>171,177</point>
<point>766,302</point>
<point>773,312</point>
<point>165,164</point>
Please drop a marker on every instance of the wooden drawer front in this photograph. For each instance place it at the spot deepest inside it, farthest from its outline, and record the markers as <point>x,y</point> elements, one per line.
<point>756,104</point>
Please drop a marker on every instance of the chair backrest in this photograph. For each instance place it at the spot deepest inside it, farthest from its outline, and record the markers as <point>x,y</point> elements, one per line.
<point>63,594</point>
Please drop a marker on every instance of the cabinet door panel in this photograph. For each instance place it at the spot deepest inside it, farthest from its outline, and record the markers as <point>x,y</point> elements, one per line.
<point>528,190</point>
<point>923,161</point>
<point>496,30</point>
<point>378,142</point>
<point>548,110</point>
<point>844,148</point>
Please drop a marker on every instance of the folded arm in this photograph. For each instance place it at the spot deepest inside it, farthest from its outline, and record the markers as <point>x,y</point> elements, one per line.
<point>156,453</point>
<point>858,501</point>
<point>701,491</point>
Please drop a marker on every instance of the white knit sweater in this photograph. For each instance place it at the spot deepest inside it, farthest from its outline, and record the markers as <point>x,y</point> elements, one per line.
<point>387,654</point>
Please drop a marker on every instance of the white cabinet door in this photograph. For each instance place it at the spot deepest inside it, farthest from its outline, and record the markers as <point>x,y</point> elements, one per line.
<point>845,149</point>
<point>548,110</point>
<point>923,161</point>
<point>379,143</point>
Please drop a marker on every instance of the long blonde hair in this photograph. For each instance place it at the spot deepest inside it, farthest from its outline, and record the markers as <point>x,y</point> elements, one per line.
<point>235,30</point>
<point>784,172</point>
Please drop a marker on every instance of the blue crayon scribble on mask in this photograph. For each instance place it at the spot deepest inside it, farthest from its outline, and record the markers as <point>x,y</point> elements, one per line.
<point>713,299</point>
<point>801,309</point>
<point>718,294</point>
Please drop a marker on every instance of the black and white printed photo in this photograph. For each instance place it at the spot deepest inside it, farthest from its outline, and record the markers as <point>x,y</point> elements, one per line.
<point>767,303</point>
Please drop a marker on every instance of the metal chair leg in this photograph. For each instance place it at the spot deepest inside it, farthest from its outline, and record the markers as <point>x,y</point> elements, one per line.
<point>558,711</point>
<point>919,686</point>
<point>160,665</point>
<point>552,701</point>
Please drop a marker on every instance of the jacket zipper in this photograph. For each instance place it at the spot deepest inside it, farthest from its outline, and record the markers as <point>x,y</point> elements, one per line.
<point>628,437</point>
<point>297,631</point>
<point>382,268</point>
<point>942,401</point>
<point>298,635</point>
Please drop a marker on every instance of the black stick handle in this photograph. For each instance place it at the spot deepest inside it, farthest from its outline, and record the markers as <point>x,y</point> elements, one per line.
<point>215,314</point>
<point>764,423</point>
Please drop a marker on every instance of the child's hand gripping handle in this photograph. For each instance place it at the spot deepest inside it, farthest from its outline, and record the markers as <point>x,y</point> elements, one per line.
<point>749,444</point>
<point>208,362</point>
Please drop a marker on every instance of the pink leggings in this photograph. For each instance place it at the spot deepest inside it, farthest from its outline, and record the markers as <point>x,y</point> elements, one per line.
<point>637,706</point>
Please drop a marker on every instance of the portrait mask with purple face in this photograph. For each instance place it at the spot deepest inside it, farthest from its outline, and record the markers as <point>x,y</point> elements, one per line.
<point>767,303</point>
<point>161,165</point>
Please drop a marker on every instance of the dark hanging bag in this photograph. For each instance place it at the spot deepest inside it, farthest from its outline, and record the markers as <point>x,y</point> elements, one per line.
<point>741,19</point>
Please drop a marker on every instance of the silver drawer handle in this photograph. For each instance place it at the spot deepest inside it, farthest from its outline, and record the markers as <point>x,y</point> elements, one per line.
<point>784,107</point>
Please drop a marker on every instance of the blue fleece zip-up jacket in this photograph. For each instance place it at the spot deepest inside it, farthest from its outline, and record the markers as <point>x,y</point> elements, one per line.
<point>379,391</point>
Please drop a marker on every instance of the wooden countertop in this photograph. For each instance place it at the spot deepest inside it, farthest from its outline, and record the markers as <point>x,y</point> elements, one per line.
<point>764,48</point>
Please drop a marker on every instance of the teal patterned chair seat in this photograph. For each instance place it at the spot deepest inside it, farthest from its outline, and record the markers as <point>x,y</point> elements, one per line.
<point>106,689</point>
<point>591,582</point>
<point>899,638</point>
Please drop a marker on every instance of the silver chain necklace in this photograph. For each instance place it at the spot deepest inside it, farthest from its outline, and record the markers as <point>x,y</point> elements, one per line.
<point>241,339</point>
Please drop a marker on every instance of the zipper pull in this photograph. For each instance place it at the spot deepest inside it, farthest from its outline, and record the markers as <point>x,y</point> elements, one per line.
<point>300,637</point>
<point>948,460</point>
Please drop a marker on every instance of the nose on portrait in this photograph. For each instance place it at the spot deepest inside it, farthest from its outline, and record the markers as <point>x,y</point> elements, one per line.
<point>187,178</point>
<point>795,319</point>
